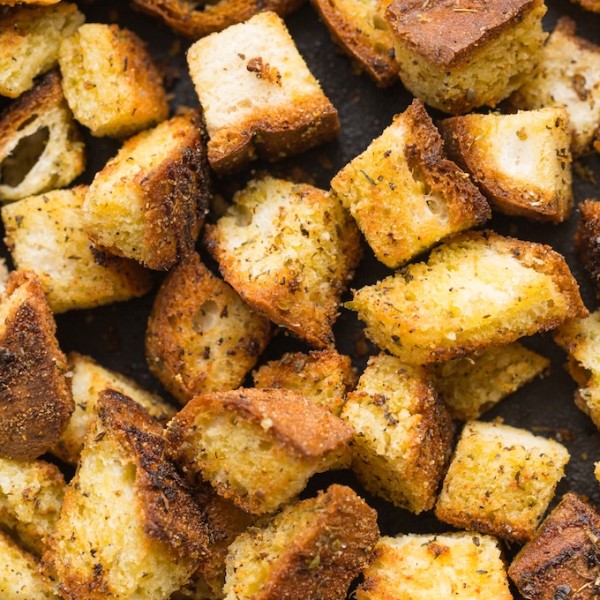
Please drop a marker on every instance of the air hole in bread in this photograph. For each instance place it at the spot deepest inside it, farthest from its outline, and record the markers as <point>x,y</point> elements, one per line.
<point>206,317</point>
<point>27,121</point>
<point>23,158</point>
<point>243,216</point>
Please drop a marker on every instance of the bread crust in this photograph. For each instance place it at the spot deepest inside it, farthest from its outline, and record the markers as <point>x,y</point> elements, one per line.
<point>587,240</point>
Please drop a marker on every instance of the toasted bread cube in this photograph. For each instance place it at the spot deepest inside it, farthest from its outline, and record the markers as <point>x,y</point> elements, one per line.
<point>129,526</point>
<point>258,96</point>
<point>148,203</point>
<point>35,394</point>
<point>587,240</point>
<point>288,250</point>
<point>458,301</point>
<point>110,81</point>
<point>45,234</point>
<point>402,433</point>
<point>312,549</point>
<point>257,448</point>
<point>404,194</point>
<point>474,384</point>
<point>456,58</point>
<point>500,481</point>
<point>593,5</point>
<point>522,161</point>
<point>201,336</point>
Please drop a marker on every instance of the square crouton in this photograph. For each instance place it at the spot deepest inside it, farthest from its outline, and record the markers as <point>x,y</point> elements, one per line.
<point>258,96</point>
<point>40,146</point>
<point>110,81</point>
<point>457,56</point>
<point>403,192</point>
<point>129,526</point>
<point>149,201</point>
<point>402,433</point>
<point>521,161</point>
<point>472,385</point>
<point>257,448</point>
<point>587,240</point>
<point>561,560</point>
<point>45,234</point>
<point>312,549</point>
<point>500,481</point>
<point>288,250</point>
<point>201,336</point>
<point>458,302</point>
<point>35,394</point>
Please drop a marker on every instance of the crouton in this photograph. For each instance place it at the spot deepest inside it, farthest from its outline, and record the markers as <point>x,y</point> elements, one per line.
<point>522,161</point>
<point>88,379</point>
<point>29,41</point>
<point>35,395</point>
<point>110,81</point>
<point>288,250</point>
<point>426,567</point>
<point>458,301</point>
<point>500,480</point>
<point>587,240</point>
<point>561,560</point>
<point>258,96</point>
<point>149,201</point>
<point>402,433</point>
<point>312,549</point>
<point>569,76</point>
<point>458,56</point>
<point>40,147</point>
<point>472,385</point>
<point>403,192</point>
<point>45,234</point>
<point>257,448</point>
<point>129,525</point>
<point>593,5</point>
<point>201,336</point>
<point>322,376</point>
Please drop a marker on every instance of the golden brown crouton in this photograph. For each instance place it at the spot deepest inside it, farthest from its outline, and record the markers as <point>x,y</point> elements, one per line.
<point>110,81</point>
<point>45,234</point>
<point>312,549</point>
<point>403,192</point>
<point>148,203</point>
<point>35,395</point>
<point>593,5</point>
<point>457,56</point>
<point>256,447</point>
<point>402,433</point>
<point>500,481</point>
<point>201,336</point>
<point>431,567</point>
<point>458,302</point>
<point>521,161</point>
<point>129,526</point>
<point>288,250</point>
<point>258,96</point>
<point>587,240</point>
<point>40,147</point>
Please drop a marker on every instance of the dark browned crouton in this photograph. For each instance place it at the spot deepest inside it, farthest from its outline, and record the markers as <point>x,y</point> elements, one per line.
<point>587,240</point>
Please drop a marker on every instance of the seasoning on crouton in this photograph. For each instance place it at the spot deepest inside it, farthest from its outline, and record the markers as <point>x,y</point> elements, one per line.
<point>402,433</point>
<point>587,240</point>
<point>562,559</point>
<point>129,525</point>
<point>258,96</point>
<point>257,448</point>
<point>40,147</point>
<point>88,379</point>
<point>403,192</point>
<point>472,385</point>
<point>35,395</point>
<point>422,567</point>
<point>312,549</point>
<point>201,336</point>
<point>288,250</point>
<point>457,56</point>
<point>500,481</point>
<point>110,81</point>
<point>458,301</point>
<point>149,201</point>
<point>569,76</point>
<point>45,234</point>
<point>522,161</point>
